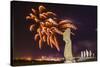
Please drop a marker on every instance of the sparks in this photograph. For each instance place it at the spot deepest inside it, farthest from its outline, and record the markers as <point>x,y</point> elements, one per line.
<point>47,26</point>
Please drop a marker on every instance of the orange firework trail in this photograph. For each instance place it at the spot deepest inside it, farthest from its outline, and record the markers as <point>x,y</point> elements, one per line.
<point>48,26</point>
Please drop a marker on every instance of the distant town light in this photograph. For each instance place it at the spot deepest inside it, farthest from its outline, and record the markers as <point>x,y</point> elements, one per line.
<point>29,58</point>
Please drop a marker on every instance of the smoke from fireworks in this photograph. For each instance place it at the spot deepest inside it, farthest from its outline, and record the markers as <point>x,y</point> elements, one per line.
<point>47,25</point>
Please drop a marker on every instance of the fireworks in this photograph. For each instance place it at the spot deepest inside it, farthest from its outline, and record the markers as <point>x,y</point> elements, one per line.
<point>47,26</point>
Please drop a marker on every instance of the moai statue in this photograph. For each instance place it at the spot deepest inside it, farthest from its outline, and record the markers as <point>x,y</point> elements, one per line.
<point>68,46</point>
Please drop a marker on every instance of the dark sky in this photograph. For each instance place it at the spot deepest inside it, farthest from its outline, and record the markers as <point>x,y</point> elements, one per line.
<point>85,17</point>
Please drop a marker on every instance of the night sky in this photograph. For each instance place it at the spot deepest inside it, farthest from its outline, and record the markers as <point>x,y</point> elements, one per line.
<point>23,44</point>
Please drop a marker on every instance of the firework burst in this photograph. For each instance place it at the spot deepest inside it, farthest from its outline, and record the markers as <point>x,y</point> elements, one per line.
<point>47,26</point>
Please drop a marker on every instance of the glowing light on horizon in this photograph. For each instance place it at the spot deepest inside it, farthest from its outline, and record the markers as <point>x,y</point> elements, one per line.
<point>29,58</point>
<point>50,58</point>
<point>24,58</point>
